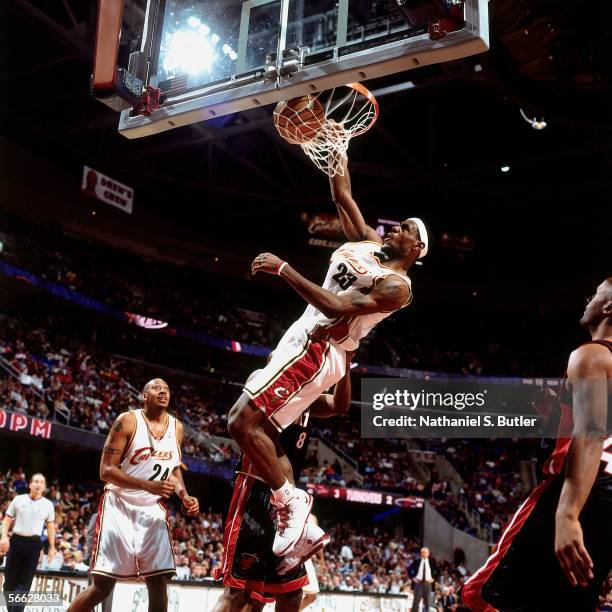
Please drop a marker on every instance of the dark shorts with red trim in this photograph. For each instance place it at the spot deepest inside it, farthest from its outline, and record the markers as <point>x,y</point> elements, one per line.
<point>249,563</point>
<point>524,575</point>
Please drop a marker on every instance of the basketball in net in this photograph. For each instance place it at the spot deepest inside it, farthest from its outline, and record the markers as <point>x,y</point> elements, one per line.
<point>324,123</point>
<point>299,120</point>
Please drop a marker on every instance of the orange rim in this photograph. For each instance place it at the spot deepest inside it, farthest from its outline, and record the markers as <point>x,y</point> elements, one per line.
<point>364,91</point>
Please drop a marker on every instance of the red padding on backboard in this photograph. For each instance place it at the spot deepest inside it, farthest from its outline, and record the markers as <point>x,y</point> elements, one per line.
<point>108,31</point>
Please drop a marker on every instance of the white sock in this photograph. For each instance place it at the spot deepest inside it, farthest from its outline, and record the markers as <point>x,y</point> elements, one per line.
<point>283,494</point>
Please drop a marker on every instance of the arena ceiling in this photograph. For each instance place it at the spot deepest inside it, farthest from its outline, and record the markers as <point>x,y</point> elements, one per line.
<point>437,150</point>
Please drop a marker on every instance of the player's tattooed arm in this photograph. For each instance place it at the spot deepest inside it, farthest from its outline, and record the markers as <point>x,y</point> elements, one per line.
<point>389,294</point>
<point>109,450</point>
<point>588,372</point>
<point>353,224</point>
<point>113,441</point>
<point>117,442</point>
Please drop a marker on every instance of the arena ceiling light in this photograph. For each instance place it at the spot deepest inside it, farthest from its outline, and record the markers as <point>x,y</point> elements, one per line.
<point>192,49</point>
<point>537,123</point>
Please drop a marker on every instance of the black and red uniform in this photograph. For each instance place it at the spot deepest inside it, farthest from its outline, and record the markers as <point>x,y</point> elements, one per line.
<point>249,562</point>
<point>523,574</point>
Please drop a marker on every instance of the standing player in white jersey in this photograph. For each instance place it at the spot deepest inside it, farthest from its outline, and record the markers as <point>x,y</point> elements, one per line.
<point>365,283</point>
<point>141,466</point>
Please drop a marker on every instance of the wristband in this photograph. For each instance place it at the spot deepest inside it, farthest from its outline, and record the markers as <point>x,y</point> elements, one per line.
<point>280,268</point>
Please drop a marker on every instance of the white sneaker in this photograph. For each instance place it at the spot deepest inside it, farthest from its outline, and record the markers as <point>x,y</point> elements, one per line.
<point>313,540</point>
<point>290,521</point>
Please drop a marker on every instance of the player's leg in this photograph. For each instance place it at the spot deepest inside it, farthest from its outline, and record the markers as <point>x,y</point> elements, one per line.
<point>311,590</point>
<point>289,602</point>
<point>237,600</point>
<point>307,600</point>
<point>93,595</point>
<point>256,437</point>
<point>157,587</point>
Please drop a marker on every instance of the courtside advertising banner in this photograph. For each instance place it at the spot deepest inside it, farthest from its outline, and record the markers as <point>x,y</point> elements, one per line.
<point>186,597</point>
<point>107,190</point>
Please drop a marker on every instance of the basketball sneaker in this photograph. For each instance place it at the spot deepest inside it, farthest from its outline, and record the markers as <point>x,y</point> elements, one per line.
<point>313,540</point>
<point>290,521</point>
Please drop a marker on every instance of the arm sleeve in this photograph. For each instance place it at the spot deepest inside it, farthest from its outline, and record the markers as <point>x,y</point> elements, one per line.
<point>10,511</point>
<point>51,514</point>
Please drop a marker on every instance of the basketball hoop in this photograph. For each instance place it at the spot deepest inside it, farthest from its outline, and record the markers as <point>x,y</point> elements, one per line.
<point>350,111</point>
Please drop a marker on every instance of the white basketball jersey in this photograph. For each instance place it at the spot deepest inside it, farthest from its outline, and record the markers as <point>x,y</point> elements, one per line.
<point>149,458</point>
<point>355,265</point>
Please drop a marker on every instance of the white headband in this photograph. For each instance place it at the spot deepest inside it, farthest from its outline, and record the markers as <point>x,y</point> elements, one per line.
<point>423,234</point>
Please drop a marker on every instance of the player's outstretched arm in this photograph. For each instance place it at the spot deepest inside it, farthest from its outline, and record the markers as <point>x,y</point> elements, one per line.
<point>114,447</point>
<point>192,505</point>
<point>328,405</point>
<point>588,372</point>
<point>388,295</point>
<point>353,224</point>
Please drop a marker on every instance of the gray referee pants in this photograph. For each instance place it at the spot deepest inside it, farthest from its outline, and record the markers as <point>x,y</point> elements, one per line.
<point>422,590</point>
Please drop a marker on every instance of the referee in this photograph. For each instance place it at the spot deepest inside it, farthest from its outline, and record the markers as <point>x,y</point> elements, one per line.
<point>28,515</point>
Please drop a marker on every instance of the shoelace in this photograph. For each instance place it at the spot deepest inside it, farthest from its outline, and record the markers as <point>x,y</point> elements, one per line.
<point>280,516</point>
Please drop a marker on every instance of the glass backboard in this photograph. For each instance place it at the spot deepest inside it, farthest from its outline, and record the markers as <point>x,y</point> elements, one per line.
<point>213,57</point>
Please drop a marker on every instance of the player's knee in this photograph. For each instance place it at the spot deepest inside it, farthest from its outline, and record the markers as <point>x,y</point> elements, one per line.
<point>157,583</point>
<point>309,598</point>
<point>238,421</point>
<point>289,601</point>
<point>102,587</point>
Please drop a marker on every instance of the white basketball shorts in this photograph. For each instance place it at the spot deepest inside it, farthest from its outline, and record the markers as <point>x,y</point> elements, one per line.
<point>301,368</point>
<point>131,541</point>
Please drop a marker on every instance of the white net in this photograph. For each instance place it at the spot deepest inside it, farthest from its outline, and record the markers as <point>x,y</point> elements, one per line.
<point>349,111</point>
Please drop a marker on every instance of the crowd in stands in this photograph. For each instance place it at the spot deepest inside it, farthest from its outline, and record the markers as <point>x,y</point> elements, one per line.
<point>197,541</point>
<point>68,383</point>
<point>359,558</point>
<point>84,388</point>
<point>369,559</point>
<point>493,486</point>
<point>158,289</point>
<point>238,309</point>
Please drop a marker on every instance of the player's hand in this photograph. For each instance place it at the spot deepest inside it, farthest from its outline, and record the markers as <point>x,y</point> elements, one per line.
<point>160,487</point>
<point>51,553</point>
<point>192,505</point>
<point>4,546</point>
<point>266,262</point>
<point>575,561</point>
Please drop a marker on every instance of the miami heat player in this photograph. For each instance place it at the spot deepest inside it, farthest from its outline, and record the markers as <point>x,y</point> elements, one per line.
<point>557,549</point>
<point>252,574</point>
<point>141,466</point>
<point>366,282</point>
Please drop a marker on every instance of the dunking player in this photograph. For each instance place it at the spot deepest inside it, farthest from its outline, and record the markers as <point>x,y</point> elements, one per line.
<point>365,283</point>
<point>252,574</point>
<point>141,465</point>
<point>557,549</point>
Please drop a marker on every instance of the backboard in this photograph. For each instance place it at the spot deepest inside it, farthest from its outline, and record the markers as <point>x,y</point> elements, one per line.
<point>209,58</point>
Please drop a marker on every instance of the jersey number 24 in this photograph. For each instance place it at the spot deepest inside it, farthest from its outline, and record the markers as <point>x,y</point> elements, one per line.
<point>157,468</point>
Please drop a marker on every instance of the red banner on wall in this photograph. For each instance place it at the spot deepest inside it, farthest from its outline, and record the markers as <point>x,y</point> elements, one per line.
<point>13,421</point>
